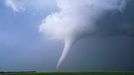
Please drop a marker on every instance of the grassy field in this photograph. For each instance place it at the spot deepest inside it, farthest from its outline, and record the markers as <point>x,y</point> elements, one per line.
<point>75,73</point>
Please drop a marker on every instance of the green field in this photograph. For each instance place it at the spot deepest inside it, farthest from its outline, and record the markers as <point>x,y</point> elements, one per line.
<point>73,73</point>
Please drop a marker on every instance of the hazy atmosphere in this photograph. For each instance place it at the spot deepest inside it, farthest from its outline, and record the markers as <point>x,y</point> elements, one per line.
<point>98,35</point>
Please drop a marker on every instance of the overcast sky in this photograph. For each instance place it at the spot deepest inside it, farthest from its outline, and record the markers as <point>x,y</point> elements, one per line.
<point>24,48</point>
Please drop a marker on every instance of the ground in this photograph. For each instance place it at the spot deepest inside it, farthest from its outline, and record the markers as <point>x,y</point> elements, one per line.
<point>69,73</point>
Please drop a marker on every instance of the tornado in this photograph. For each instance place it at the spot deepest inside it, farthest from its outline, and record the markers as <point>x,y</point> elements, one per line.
<point>77,19</point>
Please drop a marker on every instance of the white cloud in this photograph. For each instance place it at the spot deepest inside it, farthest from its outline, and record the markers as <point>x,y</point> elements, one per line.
<point>16,5</point>
<point>22,5</point>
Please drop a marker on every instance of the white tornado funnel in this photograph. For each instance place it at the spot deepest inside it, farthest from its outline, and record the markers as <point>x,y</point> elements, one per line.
<point>67,46</point>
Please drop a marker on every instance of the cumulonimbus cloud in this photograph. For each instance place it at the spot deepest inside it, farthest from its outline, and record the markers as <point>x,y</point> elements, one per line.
<point>78,18</point>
